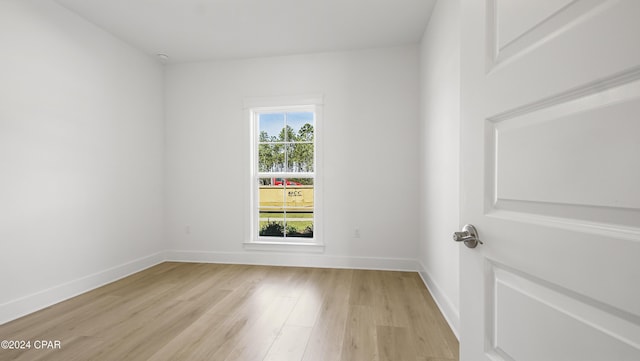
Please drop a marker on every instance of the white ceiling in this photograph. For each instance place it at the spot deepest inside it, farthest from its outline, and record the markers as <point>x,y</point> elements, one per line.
<point>192,30</point>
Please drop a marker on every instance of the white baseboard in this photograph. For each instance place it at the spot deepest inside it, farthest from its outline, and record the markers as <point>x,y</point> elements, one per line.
<point>448,310</point>
<point>294,260</point>
<point>31,303</point>
<point>24,305</point>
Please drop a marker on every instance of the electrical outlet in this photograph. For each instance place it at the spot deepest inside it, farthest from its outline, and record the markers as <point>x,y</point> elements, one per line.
<point>356,232</point>
<point>187,229</point>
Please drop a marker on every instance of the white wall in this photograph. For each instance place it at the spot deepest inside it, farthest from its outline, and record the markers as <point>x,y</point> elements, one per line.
<point>439,156</point>
<point>81,156</point>
<point>81,137</point>
<point>370,154</point>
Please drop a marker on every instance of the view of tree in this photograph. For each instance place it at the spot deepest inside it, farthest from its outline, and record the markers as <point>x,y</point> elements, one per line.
<point>288,152</point>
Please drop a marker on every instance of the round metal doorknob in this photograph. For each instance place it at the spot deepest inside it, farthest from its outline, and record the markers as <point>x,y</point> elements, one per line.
<point>469,236</point>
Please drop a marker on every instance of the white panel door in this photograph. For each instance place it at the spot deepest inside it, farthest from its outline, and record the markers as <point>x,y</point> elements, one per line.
<point>550,109</point>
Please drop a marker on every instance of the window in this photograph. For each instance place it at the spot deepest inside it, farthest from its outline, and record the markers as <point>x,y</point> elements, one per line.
<point>284,174</point>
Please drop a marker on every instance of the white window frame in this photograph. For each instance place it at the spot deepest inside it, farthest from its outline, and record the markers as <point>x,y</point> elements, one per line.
<point>253,107</point>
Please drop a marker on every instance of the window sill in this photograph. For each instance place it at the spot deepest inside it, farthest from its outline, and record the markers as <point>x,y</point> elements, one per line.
<point>308,247</point>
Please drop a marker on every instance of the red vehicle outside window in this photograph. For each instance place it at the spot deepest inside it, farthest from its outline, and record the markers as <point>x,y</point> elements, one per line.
<point>282,181</point>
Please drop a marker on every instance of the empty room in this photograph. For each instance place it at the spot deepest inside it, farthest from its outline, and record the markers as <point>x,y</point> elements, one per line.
<point>337,180</point>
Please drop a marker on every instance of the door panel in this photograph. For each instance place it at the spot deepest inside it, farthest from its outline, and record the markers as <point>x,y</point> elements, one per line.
<point>519,18</point>
<point>583,49</point>
<point>517,26</point>
<point>591,141</point>
<point>550,109</point>
<point>596,332</point>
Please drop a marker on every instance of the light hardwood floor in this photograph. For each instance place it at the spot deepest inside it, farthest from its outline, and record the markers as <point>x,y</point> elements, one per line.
<point>190,311</point>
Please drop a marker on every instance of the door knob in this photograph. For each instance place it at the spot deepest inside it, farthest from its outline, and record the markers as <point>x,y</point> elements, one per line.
<point>469,236</point>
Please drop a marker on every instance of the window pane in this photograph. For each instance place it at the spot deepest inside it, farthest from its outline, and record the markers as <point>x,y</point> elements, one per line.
<point>301,124</point>
<point>299,227</point>
<point>299,195</point>
<point>271,207</point>
<point>300,157</point>
<point>271,157</point>
<point>299,206</point>
<point>270,227</point>
<point>270,126</point>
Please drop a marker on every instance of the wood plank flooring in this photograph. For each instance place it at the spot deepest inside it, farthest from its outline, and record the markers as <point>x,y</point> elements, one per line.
<point>191,311</point>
